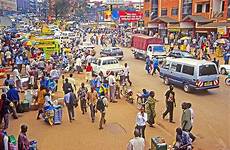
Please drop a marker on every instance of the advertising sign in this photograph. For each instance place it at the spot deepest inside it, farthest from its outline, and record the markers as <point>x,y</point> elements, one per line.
<point>222,30</point>
<point>130,16</point>
<point>10,5</point>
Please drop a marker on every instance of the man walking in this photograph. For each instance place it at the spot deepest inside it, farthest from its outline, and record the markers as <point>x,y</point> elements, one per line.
<point>67,86</point>
<point>92,101</point>
<point>70,101</point>
<point>126,72</point>
<point>112,86</point>
<point>155,65</point>
<point>101,104</point>
<point>141,120</point>
<point>13,96</point>
<point>72,81</point>
<point>82,94</point>
<point>170,103</point>
<point>136,143</point>
<point>150,108</point>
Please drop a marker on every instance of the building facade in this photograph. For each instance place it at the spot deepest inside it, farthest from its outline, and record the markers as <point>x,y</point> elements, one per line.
<point>26,6</point>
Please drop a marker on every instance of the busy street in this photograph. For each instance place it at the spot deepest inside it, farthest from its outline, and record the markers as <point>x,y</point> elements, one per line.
<point>100,76</point>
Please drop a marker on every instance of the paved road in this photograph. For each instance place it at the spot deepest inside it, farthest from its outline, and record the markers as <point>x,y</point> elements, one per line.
<point>211,108</point>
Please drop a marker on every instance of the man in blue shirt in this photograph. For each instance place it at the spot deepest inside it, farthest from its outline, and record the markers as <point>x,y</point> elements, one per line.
<point>13,96</point>
<point>155,65</point>
<point>183,140</point>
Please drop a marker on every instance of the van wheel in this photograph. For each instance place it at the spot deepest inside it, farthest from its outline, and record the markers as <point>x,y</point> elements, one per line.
<point>166,81</point>
<point>186,88</point>
<point>223,71</point>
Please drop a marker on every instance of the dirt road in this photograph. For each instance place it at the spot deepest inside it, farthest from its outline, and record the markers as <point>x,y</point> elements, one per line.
<point>211,126</point>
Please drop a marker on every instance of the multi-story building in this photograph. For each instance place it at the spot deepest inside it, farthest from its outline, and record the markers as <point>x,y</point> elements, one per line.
<point>26,6</point>
<point>150,10</point>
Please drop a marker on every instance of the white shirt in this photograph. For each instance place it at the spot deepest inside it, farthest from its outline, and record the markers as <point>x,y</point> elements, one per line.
<point>111,80</point>
<point>78,62</point>
<point>67,98</point>
<point>16,75</point>
<point>141,120</point>
<point>54,73</point>
<point>192,115</point>
<point>126,71</point>
<point>137,143</point>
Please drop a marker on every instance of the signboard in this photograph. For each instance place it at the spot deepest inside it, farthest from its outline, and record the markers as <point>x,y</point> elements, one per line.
<point>222,30</point>
<point>10,5</point>
<point>114,2</point>
<point>130,16</point>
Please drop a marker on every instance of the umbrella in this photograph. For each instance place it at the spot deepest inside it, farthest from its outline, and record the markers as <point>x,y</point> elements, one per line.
<point>185,38</point>
<point>222,41</point>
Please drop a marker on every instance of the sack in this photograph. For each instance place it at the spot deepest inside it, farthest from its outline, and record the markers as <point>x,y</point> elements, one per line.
<point>100,104</point>
<point>19,108</point>
<point>12,140</point>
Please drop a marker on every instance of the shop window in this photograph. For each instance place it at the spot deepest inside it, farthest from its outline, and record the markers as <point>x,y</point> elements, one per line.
<point>199,8</point>
<point>163,12</point>
<point>174,12</point>
<point>207,8</point>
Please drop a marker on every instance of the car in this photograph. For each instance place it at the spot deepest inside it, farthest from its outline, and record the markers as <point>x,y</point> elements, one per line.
<point>86,45</point>
<point>191,74</point>
<point>224,69</point>
<point>112,51</point>
<point>106,65</point>
<point>180,54</point>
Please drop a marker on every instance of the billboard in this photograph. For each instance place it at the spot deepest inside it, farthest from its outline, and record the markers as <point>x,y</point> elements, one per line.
<point>10,5</point>
<point>130,16</point>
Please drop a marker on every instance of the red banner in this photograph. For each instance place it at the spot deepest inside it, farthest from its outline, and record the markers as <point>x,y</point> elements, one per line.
<point>130,16</point>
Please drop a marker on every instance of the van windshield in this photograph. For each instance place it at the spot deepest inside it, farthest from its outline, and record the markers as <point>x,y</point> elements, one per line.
<point>158,49</point>
<point>207,70</point>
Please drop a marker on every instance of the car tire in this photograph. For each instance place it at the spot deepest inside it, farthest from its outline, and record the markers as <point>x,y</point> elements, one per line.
<point>166,81</point>
<point>186,88</point>
<point>223,71</point>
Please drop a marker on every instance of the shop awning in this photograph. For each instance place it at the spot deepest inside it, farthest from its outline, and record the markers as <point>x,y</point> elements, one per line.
<point>197,19</point>
<point>215,25</point>
<point>164,19</point>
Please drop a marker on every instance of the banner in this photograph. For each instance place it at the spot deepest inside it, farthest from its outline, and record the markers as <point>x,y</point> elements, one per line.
<point>9,5</point>
<point>130,16</point>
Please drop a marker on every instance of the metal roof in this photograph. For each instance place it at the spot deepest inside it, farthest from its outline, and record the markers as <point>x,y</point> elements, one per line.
<point>215,25</point>
<point>164,19</point>
<point>198,19</point>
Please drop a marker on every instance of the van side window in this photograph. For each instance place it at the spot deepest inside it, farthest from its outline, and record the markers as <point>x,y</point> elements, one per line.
<point>173,67</point>
<point>188,70</point>
<point>178,67</point>
<point>166,65</point>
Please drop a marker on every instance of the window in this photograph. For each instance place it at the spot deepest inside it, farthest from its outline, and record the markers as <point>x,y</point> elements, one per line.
<point>164,12</point>
<point>207,8</point>
<point>199,8</point>
<point>154,12</point>
<point>207,70</point>
<point>173,67</point>
<point>223,3</point>
<point>174,12</point>
<point>178,67</point>
<point>147,13</point>
<point>166,65</point>
<point>188,70</point>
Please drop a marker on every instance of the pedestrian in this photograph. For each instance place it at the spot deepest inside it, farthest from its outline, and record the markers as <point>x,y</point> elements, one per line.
<point>112,87</point>
<point>67,86</point>
<point>19,62</point>
<point>78,64</point>
<point>141,120</point>
<point>23,141</point>
<point>55,75</point>
<point>8,81</point>
<point>136,143</point>
<point>4,110</point>
<point>155,65</point>
<point>150,108</point>
<point>72,81</point>
<point>92,101</point>
<point>13,96</point>
<point>183,141</point>
<point>147,64</point>
<point>226,58</point>
<point>170,103</point>
<point>41,100</point>
<point>70,101</point>
<point>102,103</point>
<point>82,94</point>
<point>48,67</point>
<point>216,62</point>
<point>89,71</point>
<point>127,74</point>
<point>17,78</point>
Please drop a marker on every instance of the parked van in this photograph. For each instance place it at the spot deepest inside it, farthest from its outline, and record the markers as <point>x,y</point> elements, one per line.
<point>190,74</point>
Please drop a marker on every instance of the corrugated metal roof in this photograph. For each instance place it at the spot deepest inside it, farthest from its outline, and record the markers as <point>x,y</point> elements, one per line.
<point>165,19</point>
<point>198,19</point>
<point>215,25</point>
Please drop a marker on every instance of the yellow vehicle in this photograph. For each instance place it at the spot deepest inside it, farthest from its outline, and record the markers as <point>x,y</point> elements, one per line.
<point>48,45</point>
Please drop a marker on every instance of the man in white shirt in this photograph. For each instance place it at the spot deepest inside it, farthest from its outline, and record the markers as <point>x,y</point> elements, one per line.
<point>136,143</point>
<point>141,120</point>
<point>112,86</point>
<point>78,64</point>
<point>126,72</point>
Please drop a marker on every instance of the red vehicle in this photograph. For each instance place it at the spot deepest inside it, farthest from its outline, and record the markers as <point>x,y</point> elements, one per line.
<point>144,46</point>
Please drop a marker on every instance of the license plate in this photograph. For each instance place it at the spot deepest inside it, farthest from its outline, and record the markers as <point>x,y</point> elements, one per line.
<point>208,83</point>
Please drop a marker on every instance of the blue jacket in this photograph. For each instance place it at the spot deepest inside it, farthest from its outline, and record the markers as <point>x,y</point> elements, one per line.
<point>13,95</point>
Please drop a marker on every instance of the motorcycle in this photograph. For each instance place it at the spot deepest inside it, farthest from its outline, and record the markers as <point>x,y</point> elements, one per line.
<point>227,80</point>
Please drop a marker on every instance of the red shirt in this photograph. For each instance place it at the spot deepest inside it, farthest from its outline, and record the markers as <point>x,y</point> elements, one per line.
<point>89,69</point>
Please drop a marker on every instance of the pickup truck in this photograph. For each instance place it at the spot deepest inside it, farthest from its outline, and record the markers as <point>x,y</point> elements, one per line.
<point>143,46</point>
<point>106,65</point>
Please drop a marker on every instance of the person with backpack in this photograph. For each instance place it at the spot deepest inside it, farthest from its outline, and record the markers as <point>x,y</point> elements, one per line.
<point>101,104</point>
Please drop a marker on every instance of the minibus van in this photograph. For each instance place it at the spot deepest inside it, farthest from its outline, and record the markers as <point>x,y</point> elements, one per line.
<point>191,74</point>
